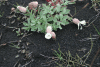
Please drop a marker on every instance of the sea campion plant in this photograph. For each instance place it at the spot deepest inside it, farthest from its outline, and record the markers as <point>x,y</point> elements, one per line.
<point>49,33</point>
<point>48,15</point>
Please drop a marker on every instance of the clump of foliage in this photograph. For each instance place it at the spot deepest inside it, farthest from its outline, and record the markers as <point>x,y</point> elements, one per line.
<point>67,60</point>
<point>96,4</point>
<point>19,32</point>
<point>48,15</point>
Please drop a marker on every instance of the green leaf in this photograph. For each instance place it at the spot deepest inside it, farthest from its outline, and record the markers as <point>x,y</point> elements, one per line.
<point>27,10</point>
<point>58,6</point>
<point>44,18</point>
<point>66,3</point>
<point>33,22</point>
<point>39,27</point>
<point>69,18</point>
<point>31,13</point>
<point>62,8</point>
<point>25,24</point>
<point>45,12</point>
<point>51,8</point>
<point>50,18</point>
<point>28,20</point>
<point>64,11</point>
<point>43,28</point>
<point>61,16</point>
<point>41,14</point>
<point>38,22</point>
<point>65,17</point>
<point>51,12</point>
<point>33,28</point>
<point>54,26</point>
<point>58,10</point>
<point>58,23</point>
<point>57,16</point>
<point>66,23</point>
<point>26,28</point>
<point>62,23</point>
<point>71,3</point>
<point>32,17</point>
<point>27,14</point>
<point>67,11</point>
<point>60,27</point>
<point>54,19</point>
<point>54,10</point>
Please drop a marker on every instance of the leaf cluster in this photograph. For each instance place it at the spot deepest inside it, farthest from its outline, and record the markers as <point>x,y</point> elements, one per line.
<point>48,15</point>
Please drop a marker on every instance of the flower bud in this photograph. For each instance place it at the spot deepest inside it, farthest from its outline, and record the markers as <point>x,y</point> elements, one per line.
<point>33,4</point>
<point>76,21</point>
<point>48,0</point>
<point>53,35</point>
<point>21,9</point>
<point>79,23</point>
<point>12,9</point>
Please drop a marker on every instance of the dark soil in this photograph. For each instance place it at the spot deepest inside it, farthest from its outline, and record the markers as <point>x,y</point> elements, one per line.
<point>69,38</point>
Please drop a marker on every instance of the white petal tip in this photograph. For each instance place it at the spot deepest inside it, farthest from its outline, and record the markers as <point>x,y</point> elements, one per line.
<point>83,22</point>
<point>18,7</point>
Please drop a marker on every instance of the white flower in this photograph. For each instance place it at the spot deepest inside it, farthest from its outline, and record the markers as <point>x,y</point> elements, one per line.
<point>81,23</point>
<point>48,36</point>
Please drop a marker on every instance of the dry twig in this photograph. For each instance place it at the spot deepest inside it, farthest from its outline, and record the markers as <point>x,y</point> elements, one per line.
<point>95,56</point>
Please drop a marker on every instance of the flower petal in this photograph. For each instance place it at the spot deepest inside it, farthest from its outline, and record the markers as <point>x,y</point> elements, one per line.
<point>49,29</point>
<point>83,22</point>
<point>48,36</point>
